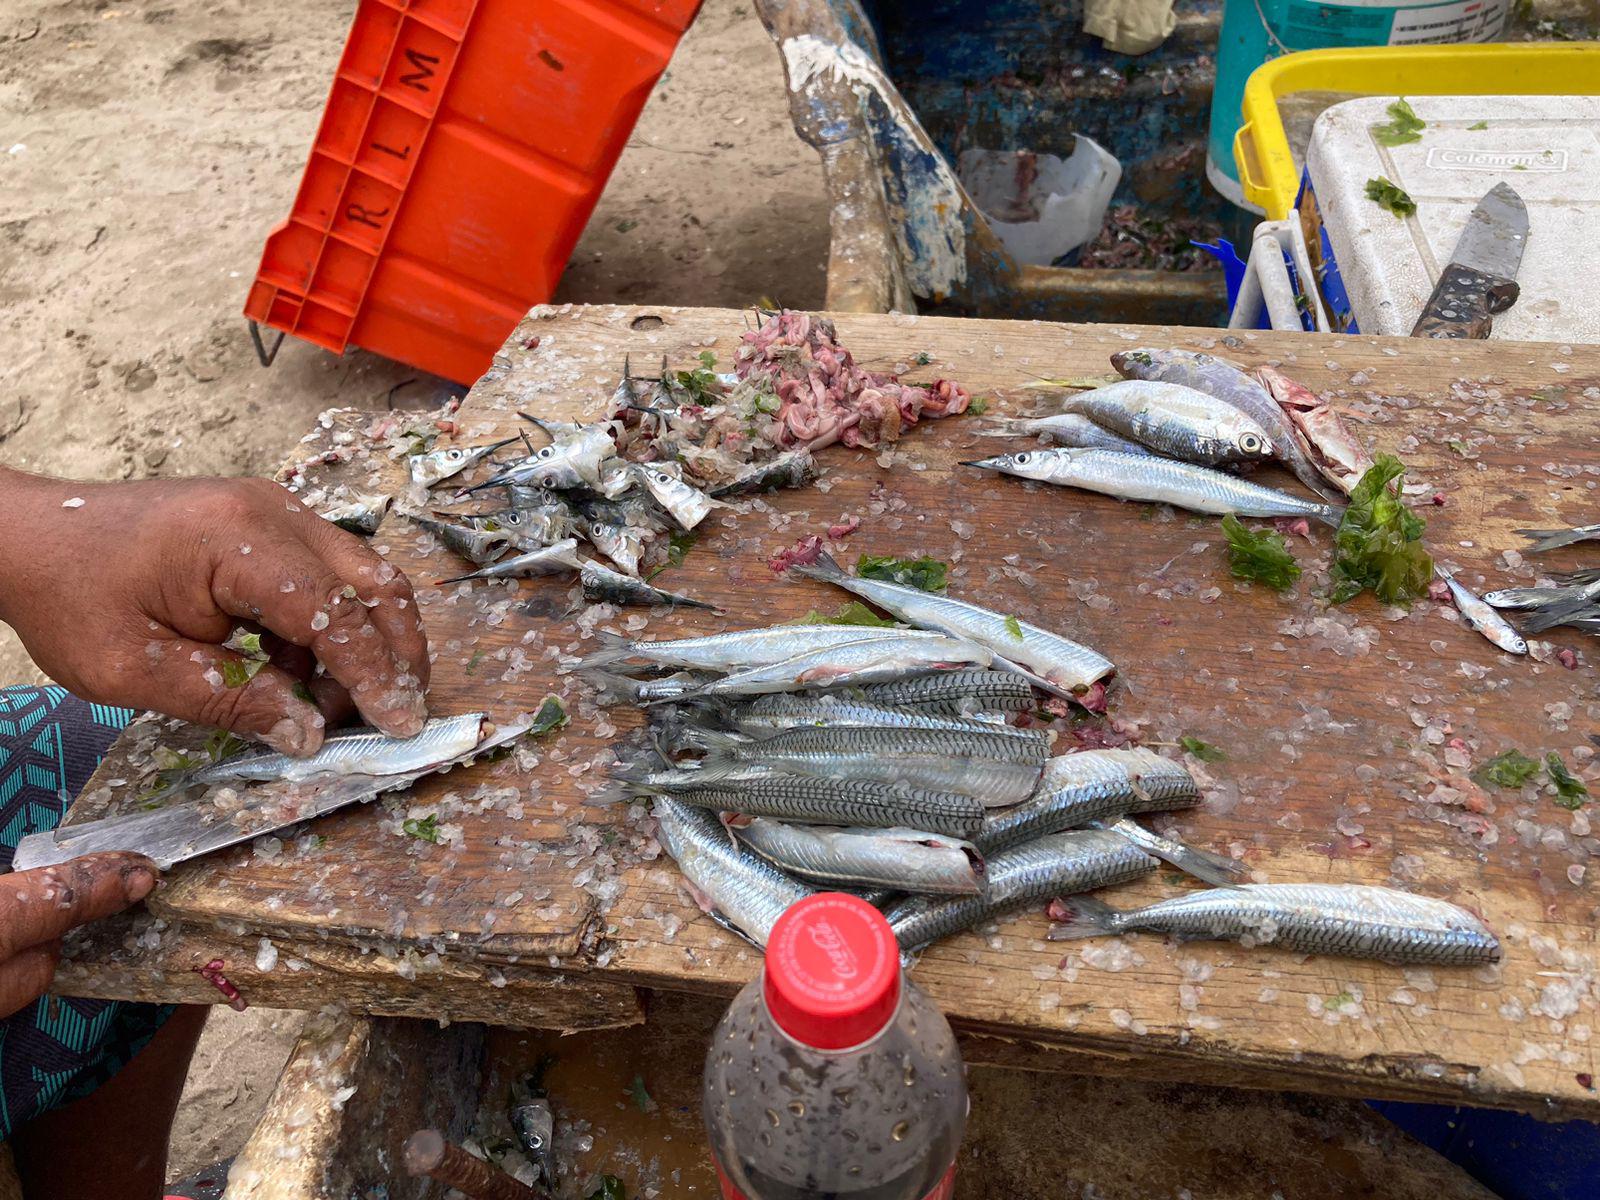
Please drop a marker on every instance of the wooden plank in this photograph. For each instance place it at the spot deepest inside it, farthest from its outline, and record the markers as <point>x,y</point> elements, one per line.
<point>1339,725</point>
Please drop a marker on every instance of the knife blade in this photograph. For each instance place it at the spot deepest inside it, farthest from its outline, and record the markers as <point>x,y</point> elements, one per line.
<point>1481,277</point>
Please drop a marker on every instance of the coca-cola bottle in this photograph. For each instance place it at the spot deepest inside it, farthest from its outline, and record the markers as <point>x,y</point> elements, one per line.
<point>832,1075</point>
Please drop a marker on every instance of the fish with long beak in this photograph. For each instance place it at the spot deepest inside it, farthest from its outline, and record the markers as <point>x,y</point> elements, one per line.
<point>438,465</point>
<point>568,462</point>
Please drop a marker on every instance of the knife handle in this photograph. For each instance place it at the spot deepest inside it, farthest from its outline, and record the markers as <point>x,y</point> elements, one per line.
<point>1462,303</point>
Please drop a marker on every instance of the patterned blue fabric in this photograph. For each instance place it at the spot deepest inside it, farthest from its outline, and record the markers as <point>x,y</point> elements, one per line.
<point>57,1049</point>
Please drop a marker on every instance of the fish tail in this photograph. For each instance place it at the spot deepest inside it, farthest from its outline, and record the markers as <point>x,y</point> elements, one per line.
<point>1551,539</point>
<point>616,791</point>
<point>1007,427</point>
<point>612,686</point>
<point>718,766</point>
<point>826,568</point>
<point>1081,917</point>
<point>1216,869</point>
<point>698,737</point>
<point>1330,514</point>
<point>613,648</point>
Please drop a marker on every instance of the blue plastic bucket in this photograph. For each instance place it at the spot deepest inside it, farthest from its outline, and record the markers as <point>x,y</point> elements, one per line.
<point>1255,31</point>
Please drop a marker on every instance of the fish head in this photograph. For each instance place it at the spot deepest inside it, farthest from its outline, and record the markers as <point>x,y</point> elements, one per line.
<point>1027,464</point>
<point>1249,440</point>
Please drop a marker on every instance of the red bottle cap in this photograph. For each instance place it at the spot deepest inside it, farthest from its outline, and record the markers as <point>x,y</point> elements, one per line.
<point>832,976</point>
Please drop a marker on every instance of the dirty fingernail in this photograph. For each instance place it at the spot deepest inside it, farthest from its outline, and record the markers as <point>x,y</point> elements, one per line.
<point>288,736</point>
<point>137,883</point>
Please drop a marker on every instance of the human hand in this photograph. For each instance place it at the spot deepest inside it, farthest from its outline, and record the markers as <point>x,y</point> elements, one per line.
<point>127,598</point>
<point>38,907</point>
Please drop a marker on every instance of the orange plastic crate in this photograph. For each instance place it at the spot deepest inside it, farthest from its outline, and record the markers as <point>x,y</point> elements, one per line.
<point>463,147</point>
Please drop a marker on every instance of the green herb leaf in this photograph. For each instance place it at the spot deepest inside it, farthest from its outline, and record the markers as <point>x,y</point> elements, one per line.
<point>1339,1001</point>
<point>1390,196</point>
<point>978,405</point>
<point>236,672</point>
<point>1014,628</point>
<point>1263,556</point>
<point>1379,543</point>
<point>472,663</point>
<point>1508,769</point>
<point>425,830</point>
<point>640,1097</point>
<point>923,358</point>
<point>608,1187</point>
<point>854,613</point>
<point>302,692</point>
<point>1477,125</point>
<point>222,744</point>
<point>1459,447</point>
<point>1570,790</point>
<point>1405,126</point>
<point>552,715</point>
<point>927,574</point>
<point>1204,751</point>
<point>248,644</point>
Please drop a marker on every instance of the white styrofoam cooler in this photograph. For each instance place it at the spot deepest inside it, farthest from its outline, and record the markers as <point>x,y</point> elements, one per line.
<point>1546,147</point>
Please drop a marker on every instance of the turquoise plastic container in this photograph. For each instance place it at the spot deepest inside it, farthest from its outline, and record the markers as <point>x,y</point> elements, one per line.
<point>1256,31</point>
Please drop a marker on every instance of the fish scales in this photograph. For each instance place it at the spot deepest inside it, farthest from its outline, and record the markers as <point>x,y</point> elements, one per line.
<point>907,860</point>
<point>954,693</point>
<point>1087,786</point>
<point>813,800</point>
<point>1032,873</point>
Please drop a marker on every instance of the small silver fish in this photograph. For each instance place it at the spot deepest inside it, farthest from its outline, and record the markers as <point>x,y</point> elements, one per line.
<point>795,468</point>
<point>527,528</point>
<point>602,585</point>
<point>438,465</point>
<point>1217,869</point>
<point>1173,419</point>
<point>908,860</point>
<point>1028,874</point>
<point>1228,383</point>
<point>478,546</point>
<point>687,505</point>
<point>1551,539</point>
<point>1064,429</point>
<point>737,648</point>
<point>1157,481</point>
<point>1577,604</point>
<point>992,766</point>
<point>785,710</point>
<point>759,792</point>
<point>744,889</point>
<point>547,560</point>
<point>1524,598</point>
<point>870,661</point>
<point>1051,661</point>
<point>1483,617</point>
<point>1087,785</point>
<point>615,688</point>
<point>1352,920</point>
<point>574,462</point>
<point>359,751</point>
<point>622,544</point>
<point>954,693</point>
<point>360,515</point>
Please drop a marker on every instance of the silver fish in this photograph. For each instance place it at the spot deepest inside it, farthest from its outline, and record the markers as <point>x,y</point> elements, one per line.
<point>574,462</point>
<point>759,792</point>
<point>359,751</point>
<point>616,478</point>
<point>1051,661</point>
<point>360,515</point>
<point>1577,604</point>
<point>1228,383</point>
<point>1518,599</point>
<point>1157,481</point>
<point>478,546</point>
<point>736,649</point>
<point>547,560</point>
<point>602,585</point>
<point>615,688</point>
<point>686,504</point>
<point>785,710</point>
<point>1175,420</point>
<point>1217,869</point>
<point>995,768</point>
<point>1086,786</point>
<point>438,465</point>
<point>1551,539</point>
<point>794,468</point>
<point>1028,874</point>
<point>908,860</point>
<point>954,693</point>
<point>622,544</point>
<point>1352,920</point>
<point>527,528</point>
<point>1064,429</point>
<point>743,888</point>
<point>1483,617</point>
<point>902,653</point>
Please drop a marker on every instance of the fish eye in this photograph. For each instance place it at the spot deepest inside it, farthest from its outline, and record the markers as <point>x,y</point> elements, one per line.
<point>545,452</point>
<point>452,455</point>
<point>1250,443</point>
<point>1022,458</point>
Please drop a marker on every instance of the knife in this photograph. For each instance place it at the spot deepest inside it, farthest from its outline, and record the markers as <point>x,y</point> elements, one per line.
<point>1481,277</point>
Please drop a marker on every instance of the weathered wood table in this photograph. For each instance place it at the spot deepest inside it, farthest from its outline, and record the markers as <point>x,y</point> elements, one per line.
<point>1349,734</point>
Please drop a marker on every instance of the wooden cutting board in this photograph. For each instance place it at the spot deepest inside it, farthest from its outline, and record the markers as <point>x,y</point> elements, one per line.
<point>1339,726</point>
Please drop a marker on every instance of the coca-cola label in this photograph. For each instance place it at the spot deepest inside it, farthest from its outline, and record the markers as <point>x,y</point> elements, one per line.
<point>832,943</point>
<point>944,1190</point>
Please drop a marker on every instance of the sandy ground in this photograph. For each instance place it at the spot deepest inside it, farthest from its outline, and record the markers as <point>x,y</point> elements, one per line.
<point>147,148</point>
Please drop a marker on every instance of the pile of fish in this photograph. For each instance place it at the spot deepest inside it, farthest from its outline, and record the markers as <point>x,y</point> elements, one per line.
<point>1167,430</point>
<point>666,456</point>
<point>1571,599</point>
<point>900,762</point>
